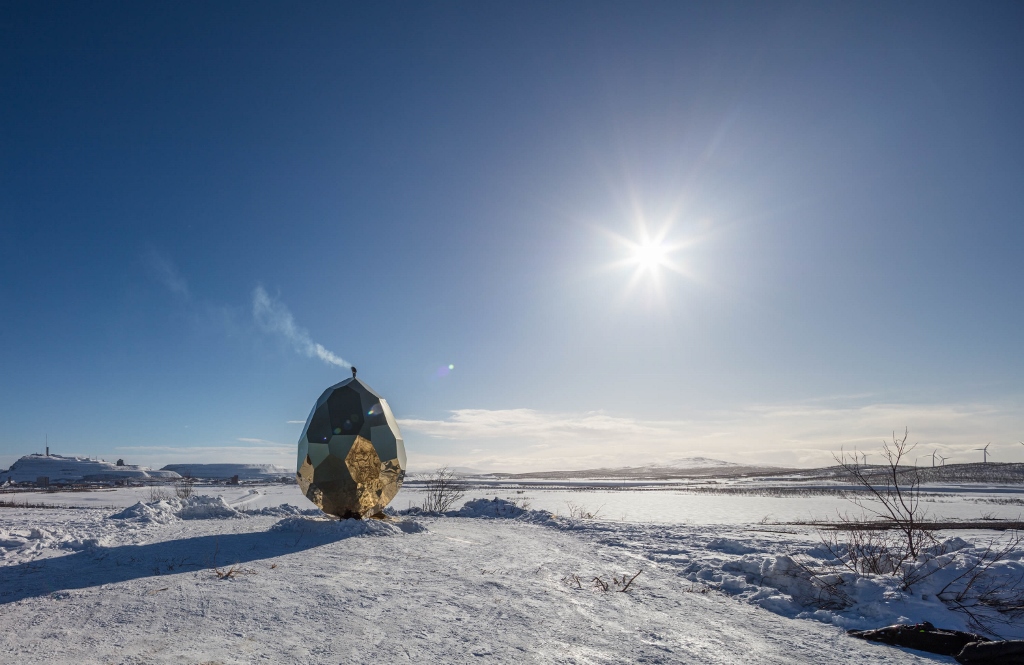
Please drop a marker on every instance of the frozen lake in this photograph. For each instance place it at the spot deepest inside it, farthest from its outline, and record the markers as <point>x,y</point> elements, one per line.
<point>661,504</point>
<point>668,506</point>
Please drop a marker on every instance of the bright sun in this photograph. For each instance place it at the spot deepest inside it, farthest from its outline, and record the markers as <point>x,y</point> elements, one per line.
<point>650,255</point>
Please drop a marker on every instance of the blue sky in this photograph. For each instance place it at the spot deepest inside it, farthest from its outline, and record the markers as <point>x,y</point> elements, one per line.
<point>193,196</point>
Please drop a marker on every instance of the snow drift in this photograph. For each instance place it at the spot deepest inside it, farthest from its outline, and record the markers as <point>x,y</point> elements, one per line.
<point>192,508</point>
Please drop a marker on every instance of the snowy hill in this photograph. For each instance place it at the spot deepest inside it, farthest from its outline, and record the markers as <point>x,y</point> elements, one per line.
<point>1011,473</point>
<point>59,468</point>
<point>695,463</point>
<point>684,467</point>
<point>225,471</point>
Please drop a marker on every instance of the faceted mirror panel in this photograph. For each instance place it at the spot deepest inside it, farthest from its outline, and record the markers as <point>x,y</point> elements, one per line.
<point>346,409</point>
<point>319,428</point>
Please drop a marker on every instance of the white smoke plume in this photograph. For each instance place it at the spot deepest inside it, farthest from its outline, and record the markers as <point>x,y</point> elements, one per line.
<point>274,317</point>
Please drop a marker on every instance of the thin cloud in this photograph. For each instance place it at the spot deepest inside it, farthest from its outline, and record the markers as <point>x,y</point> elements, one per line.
<point>296,422</point>
<point>164,270</point>
<point>202,314</point>
<point>528,423</point>
<point>273,316</point>
<point>799,434</point>
<point>263,442</point>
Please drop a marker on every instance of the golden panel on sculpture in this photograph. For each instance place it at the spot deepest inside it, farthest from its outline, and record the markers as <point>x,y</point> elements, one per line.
<point>351,457</point>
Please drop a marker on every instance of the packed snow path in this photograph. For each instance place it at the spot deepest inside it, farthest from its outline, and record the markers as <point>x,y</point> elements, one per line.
<point>422,589</point>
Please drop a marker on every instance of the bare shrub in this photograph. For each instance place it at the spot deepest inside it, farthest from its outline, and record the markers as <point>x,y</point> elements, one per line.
<point>443,488</point>
<point>184,487</point>
<point>892,496</point>
<point>580,512</point>
<point>158,493</point>
<point>892,538</point>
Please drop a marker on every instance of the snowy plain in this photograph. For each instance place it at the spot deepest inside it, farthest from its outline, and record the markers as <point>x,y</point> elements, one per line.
<point>252,574</point>
<point>659,504</point>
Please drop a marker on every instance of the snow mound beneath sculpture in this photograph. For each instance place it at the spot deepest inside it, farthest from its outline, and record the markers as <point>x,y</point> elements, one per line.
<point>283,510</point>
<point>325,527</point>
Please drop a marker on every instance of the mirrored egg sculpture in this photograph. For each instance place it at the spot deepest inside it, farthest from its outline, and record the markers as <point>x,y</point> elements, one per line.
<point>351,460</point>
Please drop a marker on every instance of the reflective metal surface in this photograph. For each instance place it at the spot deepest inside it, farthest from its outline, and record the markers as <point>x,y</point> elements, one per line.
<point>351,457</point>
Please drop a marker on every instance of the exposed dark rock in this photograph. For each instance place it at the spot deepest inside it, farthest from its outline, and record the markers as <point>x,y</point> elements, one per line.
<point>1008,652</point>
<point>923,637</point>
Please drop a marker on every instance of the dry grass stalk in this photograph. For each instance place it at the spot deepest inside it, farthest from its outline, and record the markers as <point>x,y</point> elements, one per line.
<point>580,512</point>
<point>622,584</point>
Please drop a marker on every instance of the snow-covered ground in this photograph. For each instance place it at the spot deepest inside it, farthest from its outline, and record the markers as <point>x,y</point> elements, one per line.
<point>138,581</point>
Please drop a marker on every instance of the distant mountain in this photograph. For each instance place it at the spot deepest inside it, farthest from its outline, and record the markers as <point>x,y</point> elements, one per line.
<point>59,468</point>
<point>694,463</point>
<point>683,467</point>
<point>225,471</point>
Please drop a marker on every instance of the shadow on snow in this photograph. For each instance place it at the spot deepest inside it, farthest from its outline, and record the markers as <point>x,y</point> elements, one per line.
<point>97,566</point>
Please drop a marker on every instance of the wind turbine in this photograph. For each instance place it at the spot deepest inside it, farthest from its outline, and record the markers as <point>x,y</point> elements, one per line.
<point>864,456</point>
<point>933,456</point>
<point>943,460</point>
<point>984,452</point>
